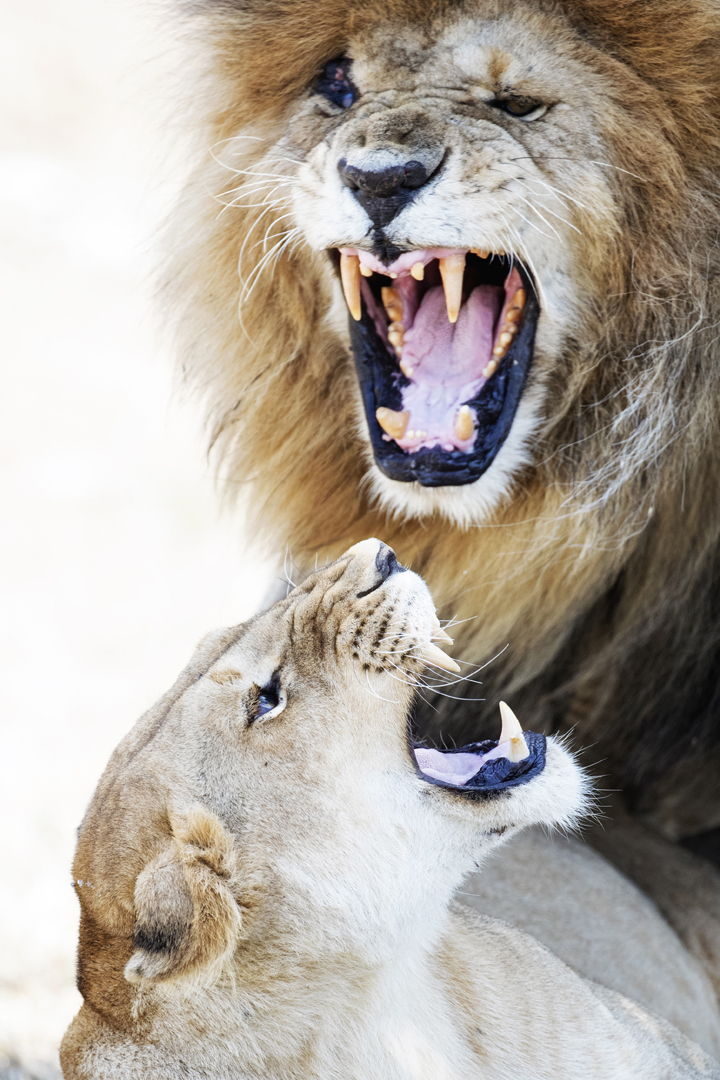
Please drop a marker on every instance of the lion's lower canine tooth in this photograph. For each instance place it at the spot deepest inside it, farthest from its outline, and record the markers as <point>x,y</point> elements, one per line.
<point>365,270</point>
<point>394,423</point>
<point>512,732</point>
<point>430,654</point>
<point>350,275</point>
<point>452,270</point>
<point>392,303</point>
<point>464,424</point>
<point>418,271</point>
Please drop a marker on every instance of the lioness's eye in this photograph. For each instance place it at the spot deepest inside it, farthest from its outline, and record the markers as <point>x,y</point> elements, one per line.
<point>520,108</point>
<point>270,701</point>
<point>334,83</point>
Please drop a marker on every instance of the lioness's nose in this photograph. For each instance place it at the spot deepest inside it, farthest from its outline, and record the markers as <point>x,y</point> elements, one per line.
<point>382,193</point>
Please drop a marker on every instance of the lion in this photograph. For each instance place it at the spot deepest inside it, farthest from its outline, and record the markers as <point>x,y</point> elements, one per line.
<point>266,872</point>
<point>447,271</point>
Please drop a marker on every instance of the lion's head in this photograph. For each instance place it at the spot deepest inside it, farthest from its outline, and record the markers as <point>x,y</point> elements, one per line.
<point>518,204</point>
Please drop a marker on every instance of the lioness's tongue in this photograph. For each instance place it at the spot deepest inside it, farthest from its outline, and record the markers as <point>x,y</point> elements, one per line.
<point>445,361</point>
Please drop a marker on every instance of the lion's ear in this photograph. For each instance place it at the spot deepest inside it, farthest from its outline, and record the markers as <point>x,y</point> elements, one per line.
<point>186,917</point>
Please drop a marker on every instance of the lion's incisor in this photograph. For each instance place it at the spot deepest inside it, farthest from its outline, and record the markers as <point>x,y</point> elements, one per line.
<point>268,892</point>
<point>589,546</point>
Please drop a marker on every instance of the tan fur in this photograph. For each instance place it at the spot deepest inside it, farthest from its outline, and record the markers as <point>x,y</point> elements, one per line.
<point>272,896</point>
<point>596,560</point>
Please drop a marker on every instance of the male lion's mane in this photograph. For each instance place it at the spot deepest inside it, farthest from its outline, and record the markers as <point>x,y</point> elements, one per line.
<point>601,573</point>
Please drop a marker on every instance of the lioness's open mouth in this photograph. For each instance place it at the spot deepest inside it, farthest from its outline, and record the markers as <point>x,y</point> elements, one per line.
<point>484,767</point>
<point>443,341</point>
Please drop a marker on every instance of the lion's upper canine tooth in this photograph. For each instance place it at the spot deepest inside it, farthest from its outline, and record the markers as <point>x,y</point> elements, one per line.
<point>441,635</point>
<point>418,271</point>
<point>512,732</point>
<point>432,655</point>
<point>517,303</point>
<point>394,423</point>
<point>392,302</point>
<point>452,270</point>
<point>350,275</point>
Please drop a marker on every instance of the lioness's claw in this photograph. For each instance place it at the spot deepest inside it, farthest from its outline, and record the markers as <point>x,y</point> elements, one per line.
<point>350,275</point>
<point>512,733</point>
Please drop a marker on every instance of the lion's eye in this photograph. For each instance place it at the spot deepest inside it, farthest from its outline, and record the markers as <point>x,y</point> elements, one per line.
<point>335,84</point>
<point>270,701</point>
<point>521,108</point>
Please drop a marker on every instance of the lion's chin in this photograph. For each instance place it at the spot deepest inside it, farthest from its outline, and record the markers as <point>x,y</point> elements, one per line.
<point>443,342</point>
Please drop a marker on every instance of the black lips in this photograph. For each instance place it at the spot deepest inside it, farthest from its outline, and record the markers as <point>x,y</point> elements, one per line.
<point>381,381</point>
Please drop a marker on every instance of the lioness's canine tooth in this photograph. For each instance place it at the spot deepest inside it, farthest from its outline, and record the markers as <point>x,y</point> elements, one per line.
<point>441,635</point>
<point>417,270</point>
<point>350,275</point>
<point>464,425</point>
<point>365,270</point>
<point>452,270</point>
<point>394,423</point>
<point>430,654</point>
<point>512,732</point>
<point>392,302</point>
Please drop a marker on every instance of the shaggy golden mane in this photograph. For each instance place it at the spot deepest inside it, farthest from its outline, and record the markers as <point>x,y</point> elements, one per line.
<point>597,581</point>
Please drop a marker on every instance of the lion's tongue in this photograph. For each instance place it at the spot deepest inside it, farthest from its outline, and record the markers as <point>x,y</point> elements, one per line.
<point>445,362</point>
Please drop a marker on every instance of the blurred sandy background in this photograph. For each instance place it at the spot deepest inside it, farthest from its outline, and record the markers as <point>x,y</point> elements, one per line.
<point>114,559</point>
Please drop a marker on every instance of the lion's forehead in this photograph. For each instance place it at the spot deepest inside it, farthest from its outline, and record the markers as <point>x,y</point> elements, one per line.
<point>521,45</point>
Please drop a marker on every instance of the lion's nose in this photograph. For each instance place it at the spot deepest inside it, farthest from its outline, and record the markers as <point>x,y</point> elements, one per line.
<point>382,193</point>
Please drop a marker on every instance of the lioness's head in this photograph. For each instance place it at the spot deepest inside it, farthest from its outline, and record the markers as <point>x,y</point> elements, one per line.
<point>279,801</point>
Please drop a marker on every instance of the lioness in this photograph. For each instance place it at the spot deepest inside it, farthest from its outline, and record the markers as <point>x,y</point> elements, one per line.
<point>267,868</point>
<point>447,270</point>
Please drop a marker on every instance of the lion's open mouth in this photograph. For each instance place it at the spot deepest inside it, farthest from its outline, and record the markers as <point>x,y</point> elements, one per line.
<point>443,341</point>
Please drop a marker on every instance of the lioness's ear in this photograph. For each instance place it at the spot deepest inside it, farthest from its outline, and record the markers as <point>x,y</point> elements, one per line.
<point>186,918</point>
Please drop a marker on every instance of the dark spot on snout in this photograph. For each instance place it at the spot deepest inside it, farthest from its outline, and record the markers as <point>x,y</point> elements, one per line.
<point>386,564</point>
<point>383,193</point>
